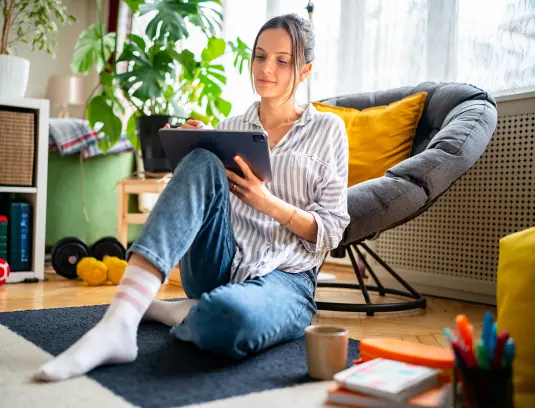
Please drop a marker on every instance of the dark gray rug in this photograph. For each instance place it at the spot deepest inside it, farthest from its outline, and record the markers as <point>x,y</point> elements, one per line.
<point>168,372</point>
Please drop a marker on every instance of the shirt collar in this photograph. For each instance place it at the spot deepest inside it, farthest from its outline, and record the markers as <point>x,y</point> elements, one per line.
<point>252,116</point>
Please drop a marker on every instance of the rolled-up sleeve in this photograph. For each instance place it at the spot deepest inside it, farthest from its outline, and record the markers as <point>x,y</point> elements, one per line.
<point>330,205</point>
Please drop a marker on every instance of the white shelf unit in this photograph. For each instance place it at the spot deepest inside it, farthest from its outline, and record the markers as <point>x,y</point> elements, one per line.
<point>35,195</point>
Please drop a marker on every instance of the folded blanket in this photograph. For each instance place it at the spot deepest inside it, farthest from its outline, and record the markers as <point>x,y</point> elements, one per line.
<point>72,135</point>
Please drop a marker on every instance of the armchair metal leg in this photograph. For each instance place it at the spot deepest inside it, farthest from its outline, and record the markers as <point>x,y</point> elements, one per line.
<point>417,300</point>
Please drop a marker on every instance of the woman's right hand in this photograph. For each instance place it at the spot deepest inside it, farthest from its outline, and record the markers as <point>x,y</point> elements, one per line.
<point>190,124</point>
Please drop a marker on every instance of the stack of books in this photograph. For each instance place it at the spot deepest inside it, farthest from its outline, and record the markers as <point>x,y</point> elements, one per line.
<point>388,383</point>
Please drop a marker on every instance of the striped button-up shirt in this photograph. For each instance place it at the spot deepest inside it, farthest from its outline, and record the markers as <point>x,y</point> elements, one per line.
<point>309,167</point>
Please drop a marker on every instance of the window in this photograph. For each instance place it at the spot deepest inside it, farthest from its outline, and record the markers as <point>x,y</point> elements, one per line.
<point>368,45</point>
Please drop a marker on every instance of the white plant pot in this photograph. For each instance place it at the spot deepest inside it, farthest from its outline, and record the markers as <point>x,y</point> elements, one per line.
<point>14,73</point>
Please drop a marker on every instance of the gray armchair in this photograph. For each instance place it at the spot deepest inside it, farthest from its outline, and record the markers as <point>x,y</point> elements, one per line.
<point>454,131</point>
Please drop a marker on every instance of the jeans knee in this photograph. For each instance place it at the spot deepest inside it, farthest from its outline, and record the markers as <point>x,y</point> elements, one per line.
<point>200,168</point>
<point>224,326</point>
<point>204,161</point>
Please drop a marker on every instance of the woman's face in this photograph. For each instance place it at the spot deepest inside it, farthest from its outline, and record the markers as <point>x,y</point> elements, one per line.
<point>273,69</point>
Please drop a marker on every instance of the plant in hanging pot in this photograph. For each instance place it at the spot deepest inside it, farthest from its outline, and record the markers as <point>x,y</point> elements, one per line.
<point>33,22</point>
<point>154,80</point>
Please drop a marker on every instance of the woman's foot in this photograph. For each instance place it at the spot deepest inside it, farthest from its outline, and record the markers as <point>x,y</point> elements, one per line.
<point>111,341</point>
<point>169,313</point>
<point>114,339</point>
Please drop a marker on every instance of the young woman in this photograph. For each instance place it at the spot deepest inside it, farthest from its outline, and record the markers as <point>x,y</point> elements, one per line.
<point>248,251</point>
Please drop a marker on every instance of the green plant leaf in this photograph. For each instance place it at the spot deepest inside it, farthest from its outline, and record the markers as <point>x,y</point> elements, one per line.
<point>214,49</point>
<point>242,54</point>
<point>223,106</point>
<point>209,92</point>
<point>217,72</point>
<point>187,59</point>
<point>88,50</point>
<point>131,130</point>
<point>39,21</point>
<point>139,41</point>
<point>100,112</point>
<point>169,19</point>
<point>169,93</point>
<point>172,18</point>
<point>199,116</point>
<point>212,77</point>
<point>134,4</point>
<point>148,72</point>
<point>135,51</point>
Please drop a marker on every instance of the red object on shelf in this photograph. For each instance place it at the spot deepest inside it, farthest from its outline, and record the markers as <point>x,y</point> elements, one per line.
<point>5,271</point>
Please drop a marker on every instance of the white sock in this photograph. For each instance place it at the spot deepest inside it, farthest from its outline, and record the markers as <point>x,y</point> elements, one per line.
<point>114,339</point>
<point>169,313</point>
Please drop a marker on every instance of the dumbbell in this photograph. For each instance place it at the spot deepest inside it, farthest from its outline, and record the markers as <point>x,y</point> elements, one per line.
<point>67,252</point>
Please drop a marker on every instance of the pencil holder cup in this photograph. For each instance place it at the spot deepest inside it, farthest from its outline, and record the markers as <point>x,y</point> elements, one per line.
<point>486,388</point>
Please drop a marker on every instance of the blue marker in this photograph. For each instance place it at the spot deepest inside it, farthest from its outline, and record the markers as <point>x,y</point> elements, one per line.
<point>493,338</point>
<point>509,352</point>
<point>449,335</point>
<point>486,332</point>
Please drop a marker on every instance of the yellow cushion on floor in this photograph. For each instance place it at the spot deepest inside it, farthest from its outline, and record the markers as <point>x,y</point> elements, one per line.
<point>516,309</point>
<point>379,137</point>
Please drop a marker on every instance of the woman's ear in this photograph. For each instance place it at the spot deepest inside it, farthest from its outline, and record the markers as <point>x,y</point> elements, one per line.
<point>305,71</point>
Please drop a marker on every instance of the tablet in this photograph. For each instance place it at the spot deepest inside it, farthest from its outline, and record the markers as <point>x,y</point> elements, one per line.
<point>251,146</point>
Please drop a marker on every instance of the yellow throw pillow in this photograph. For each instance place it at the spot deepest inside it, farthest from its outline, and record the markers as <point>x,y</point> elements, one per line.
<point>379,137</point>
<point>516,308</point>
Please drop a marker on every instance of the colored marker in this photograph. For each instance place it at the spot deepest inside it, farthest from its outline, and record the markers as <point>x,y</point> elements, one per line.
<point>486,332</point>
<point>449,335</point>
<point>509,352</point>
<point>499,351</point>
<point>463,325</point>
<point>469,357</point>
<point>481,355</point>
<point>461,363</point>
<point>492,340</point>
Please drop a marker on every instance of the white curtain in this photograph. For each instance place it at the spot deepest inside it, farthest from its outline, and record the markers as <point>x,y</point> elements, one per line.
<point>369,45</point>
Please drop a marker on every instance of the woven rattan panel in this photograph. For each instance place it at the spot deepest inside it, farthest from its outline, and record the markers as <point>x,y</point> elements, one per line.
<point>17,141</point>
<point>459,236</point>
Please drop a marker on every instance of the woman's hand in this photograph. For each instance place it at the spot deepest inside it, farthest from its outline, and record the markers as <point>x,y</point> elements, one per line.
<point>251,190</point>
<point>190,124</point>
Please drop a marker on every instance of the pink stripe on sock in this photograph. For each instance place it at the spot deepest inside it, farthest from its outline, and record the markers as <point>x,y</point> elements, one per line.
<point>133,301</point>
<point>138,286</point>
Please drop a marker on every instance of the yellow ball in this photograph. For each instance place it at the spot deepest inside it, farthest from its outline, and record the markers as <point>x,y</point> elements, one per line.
<point>115,267</point>
<point>94,272</point>
<point>82,265</point>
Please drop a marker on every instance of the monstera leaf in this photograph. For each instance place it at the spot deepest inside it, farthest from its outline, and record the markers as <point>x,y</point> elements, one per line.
<point>172,17</point>
<point>148,70</point>
<point>89,48</point>
<point>242,53</point>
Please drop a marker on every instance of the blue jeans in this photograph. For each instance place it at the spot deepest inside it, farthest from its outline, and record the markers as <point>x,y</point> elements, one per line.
<point>191,225</point>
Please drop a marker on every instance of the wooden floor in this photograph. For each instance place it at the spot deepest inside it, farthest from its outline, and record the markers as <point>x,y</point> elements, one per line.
<point>419,326</point>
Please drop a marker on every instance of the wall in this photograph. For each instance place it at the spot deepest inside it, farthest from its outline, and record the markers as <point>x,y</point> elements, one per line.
<point>43,66</point>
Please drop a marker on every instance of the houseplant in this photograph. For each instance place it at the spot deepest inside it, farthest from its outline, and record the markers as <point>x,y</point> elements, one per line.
<point>33,22</point>
<point>154,78</point>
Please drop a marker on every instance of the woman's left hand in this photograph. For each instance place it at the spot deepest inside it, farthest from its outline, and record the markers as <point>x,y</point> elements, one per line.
<point>251,190</point>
